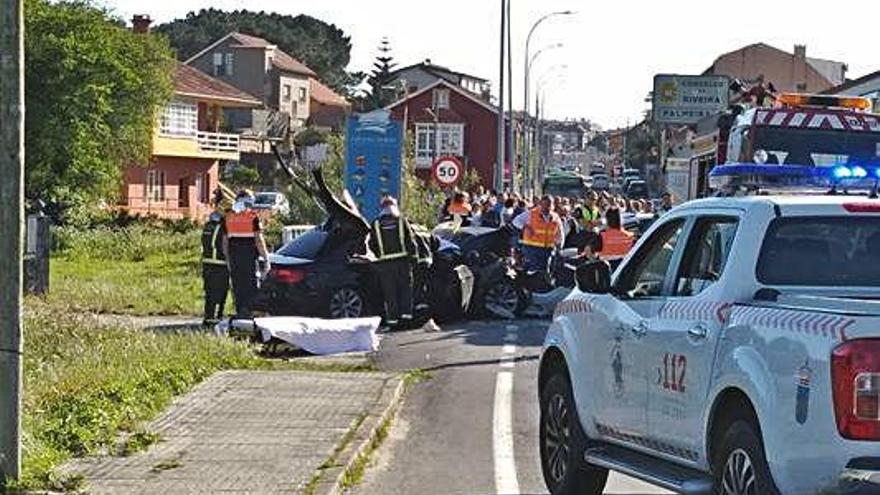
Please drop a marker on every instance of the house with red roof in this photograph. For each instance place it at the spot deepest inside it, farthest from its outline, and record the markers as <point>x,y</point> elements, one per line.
<point>188,148</point>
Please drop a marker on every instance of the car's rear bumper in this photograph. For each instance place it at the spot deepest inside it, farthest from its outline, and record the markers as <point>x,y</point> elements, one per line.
<point>861,477</point>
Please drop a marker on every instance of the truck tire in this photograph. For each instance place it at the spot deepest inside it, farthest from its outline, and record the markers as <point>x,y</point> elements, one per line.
<point>740,468</point>
<point>563,442</point>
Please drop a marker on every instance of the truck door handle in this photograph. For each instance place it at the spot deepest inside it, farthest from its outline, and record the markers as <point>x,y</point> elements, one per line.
<point>698,331</point>
<point>640,330</point>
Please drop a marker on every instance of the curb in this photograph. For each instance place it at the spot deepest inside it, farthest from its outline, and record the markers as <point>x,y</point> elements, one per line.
<point>332,480</point>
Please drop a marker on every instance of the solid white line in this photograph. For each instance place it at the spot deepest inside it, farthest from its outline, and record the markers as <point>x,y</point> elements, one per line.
<point>502,436</point>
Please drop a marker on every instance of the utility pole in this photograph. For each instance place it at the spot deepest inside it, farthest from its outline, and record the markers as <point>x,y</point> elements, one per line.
<point>499,163</point>
<point>11,231</point>
<point>511,142</point>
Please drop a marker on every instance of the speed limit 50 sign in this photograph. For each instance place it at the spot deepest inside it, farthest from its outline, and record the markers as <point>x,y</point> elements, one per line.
<point>447,171</point>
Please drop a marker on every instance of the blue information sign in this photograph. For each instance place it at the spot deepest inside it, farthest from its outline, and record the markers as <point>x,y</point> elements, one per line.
<point>373,156</point>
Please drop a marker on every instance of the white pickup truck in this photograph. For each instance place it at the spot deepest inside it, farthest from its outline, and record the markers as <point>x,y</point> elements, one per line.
<point>736,350</point>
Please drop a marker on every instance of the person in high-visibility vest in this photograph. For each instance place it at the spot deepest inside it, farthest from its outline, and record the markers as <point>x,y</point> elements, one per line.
<point>614,241</point>
<point>215,273</point>
<point>396,251</point>
<point>542,231</point>
<point>459,206</point>
<point>244,244</point>
<point>590,214</point>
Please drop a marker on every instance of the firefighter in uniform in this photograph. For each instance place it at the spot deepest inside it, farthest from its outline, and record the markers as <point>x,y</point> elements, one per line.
<point>244,244</point>
<point>541,232</point>
<point>392,242</point>
<point>614,241</point>
<point>215,273</point>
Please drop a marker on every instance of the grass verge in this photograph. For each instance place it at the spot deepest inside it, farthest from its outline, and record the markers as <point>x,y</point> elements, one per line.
<point>135,270</point>
<point>83,385</point>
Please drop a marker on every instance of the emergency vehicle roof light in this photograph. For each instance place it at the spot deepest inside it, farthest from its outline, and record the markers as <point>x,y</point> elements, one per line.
<point>806,100</point>
<point>756,177</point>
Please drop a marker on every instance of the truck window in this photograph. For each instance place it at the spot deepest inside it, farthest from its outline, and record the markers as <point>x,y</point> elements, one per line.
<point>645,275</point>
<point>838,251</point>
<point>706,255</point>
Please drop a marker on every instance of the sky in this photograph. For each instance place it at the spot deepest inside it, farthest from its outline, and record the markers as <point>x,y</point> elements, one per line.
<point>610,53</point>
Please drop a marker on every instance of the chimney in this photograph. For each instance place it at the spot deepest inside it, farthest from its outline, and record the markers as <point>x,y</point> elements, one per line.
<point>141,23</point>
<point>800,52</point>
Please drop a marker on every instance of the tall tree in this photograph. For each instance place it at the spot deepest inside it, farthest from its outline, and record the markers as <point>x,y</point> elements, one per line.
<point>380,94</point>
<point>93,93</point>
<point>325,48</point>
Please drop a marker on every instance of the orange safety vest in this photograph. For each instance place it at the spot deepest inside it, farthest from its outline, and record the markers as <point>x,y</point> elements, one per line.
<point>542,233</point>
<point>459,209</point>
<point>615,243</point>
<point>241,225</point>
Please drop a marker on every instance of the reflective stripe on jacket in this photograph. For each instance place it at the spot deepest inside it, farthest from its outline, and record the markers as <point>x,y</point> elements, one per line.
<point>243,224</point>
<point>539,232</point>
<point>212,244</point>
<point>385,238</point>
<point>615,243</point>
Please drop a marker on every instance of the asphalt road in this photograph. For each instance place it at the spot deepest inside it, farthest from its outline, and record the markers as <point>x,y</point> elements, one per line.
<point>472,428</point>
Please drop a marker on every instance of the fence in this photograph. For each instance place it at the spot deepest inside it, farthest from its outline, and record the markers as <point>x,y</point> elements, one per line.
<point>291,232</point>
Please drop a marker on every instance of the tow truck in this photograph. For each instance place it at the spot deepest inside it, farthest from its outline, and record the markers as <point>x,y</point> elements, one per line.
<point>734,351</point>
<point>799,129</point>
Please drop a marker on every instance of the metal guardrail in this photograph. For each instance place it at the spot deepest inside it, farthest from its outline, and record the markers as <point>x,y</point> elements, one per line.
<point>218,142</point>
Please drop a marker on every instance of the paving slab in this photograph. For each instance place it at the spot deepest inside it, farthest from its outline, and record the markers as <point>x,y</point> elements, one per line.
<point>245,432</point>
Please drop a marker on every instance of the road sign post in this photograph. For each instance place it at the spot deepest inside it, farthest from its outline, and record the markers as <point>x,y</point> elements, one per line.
<point>11,231</point>
<point>447,171</point>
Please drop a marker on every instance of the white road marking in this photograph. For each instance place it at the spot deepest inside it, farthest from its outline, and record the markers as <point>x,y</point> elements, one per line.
<point>512,328</point>
<point>506,482</point>
<point>508,349</point>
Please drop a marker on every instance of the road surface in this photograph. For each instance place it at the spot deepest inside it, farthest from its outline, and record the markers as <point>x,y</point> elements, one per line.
<point>472,428</point>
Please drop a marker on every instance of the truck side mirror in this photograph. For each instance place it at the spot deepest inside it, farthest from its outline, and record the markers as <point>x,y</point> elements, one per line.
<point>594,277</point>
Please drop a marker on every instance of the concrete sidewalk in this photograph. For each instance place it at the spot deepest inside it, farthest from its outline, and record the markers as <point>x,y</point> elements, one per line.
<point>251,432</point>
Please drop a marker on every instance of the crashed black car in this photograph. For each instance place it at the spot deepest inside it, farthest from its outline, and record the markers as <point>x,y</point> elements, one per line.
<point>327,273</point>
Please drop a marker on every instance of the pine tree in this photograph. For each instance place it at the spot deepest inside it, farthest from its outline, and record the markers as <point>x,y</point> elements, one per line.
<point>380,95</point>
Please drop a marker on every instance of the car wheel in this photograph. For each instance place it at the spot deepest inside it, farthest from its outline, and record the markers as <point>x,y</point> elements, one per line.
<point>740,467</point>
<point>347,302</point>
<point>502,299</point>
<point>563,442</point>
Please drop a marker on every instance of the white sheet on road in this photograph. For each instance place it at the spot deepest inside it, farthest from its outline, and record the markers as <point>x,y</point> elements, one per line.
<point>320,336</point>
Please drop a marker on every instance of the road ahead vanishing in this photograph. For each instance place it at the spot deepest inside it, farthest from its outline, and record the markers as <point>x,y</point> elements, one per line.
<point>472,428</point>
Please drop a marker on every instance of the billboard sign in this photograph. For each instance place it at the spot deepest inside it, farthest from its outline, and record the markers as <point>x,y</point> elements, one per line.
<point>687,99</point>
<point>373,159</point>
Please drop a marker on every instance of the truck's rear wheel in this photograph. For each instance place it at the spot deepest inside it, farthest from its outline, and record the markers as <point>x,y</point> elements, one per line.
<point>740,468</point>
<point>563,443</point>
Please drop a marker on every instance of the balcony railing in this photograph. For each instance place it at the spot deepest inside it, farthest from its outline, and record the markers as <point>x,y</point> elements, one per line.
<point>215,142</point>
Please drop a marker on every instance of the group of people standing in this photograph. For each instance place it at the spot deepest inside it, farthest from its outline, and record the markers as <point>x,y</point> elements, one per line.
<point>593,224</point>
<point>232,247</point>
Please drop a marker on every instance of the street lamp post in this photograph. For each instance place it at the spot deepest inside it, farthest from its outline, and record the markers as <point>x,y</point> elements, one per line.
<point>526,105</point>
<point>499,151</point>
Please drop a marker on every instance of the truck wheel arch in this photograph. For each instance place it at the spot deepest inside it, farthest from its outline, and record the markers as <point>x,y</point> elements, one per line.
<point>730,405</point>
<point>552,361</point>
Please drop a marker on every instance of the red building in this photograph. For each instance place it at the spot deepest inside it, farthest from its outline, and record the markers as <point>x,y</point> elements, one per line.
<point>456,122</point>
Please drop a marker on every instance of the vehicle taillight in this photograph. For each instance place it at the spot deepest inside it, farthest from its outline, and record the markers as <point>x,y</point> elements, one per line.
<point>855,376</point>
<point>866,207</point>
<point>287,275</point>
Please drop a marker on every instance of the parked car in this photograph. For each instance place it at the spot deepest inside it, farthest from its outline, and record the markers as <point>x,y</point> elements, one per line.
<point>274,202</point>
<point>636,189</point>
<point>601,181</point>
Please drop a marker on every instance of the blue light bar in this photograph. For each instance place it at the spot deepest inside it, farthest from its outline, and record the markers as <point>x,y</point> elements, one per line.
<point>752,176</point>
